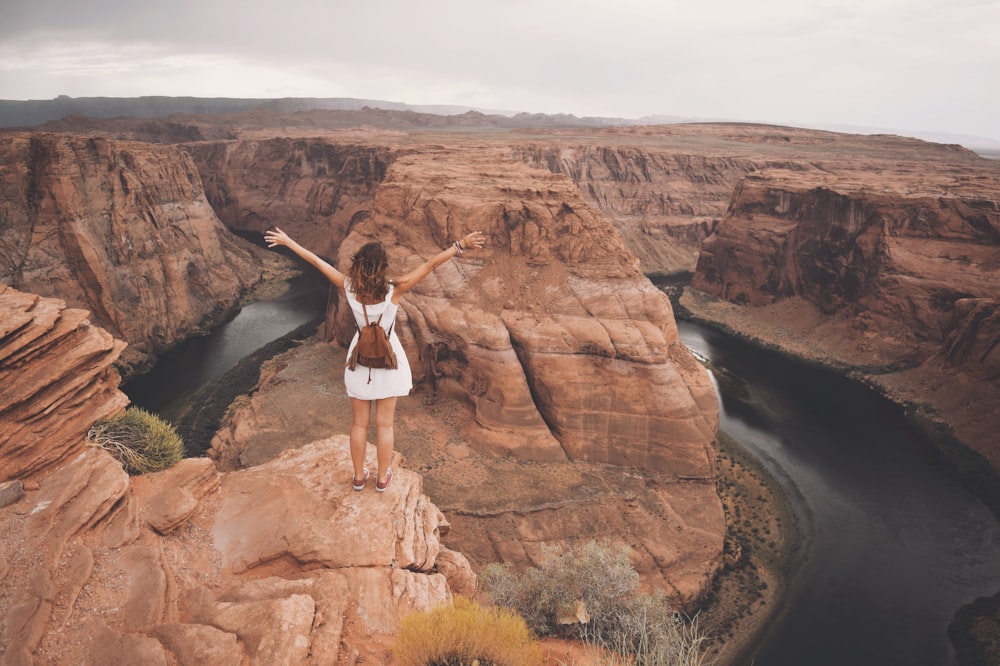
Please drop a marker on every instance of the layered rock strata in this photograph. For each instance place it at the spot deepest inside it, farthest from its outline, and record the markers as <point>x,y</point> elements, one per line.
<point>280,563</point>
<point>501,508</point>
<point>559,342</point>
<point>896,275</point>
<point>559,347</point>
<point>53,361</point>
<point>120,229</point>
<point>664,201</point>
<point>314,189</point>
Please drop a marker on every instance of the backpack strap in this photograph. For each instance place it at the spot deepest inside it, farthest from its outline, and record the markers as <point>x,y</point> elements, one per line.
<point>377,321</point>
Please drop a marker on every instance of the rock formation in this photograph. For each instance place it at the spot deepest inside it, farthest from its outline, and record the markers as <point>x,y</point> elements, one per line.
<point>564,354</point>
<point>559,341</point>
<point>280,563</point>
<point>312,188</point>
<point>896,275</point>
<point>509,330</point>
<point>663,201</point>
<point>52,361</point>
<point>873,254</point>
<point>120,229</point>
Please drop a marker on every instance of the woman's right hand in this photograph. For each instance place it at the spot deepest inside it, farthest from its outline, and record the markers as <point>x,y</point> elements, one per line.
<point>276,237</point>
<point>473,240</point>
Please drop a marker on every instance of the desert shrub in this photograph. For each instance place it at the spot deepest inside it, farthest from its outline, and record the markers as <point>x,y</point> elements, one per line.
<point>651,634</point>
<point>591,592</point>
<point>602,577</point>
<point>140,441</point>
<point>465,633</point>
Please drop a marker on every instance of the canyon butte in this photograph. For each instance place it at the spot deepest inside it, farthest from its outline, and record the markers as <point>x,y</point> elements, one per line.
<point>554,404</point>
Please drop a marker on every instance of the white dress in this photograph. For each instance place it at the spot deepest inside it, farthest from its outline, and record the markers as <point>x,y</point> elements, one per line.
<point>385,383</point>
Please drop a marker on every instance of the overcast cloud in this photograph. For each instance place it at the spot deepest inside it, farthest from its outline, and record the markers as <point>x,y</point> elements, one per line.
<point>910,65</point>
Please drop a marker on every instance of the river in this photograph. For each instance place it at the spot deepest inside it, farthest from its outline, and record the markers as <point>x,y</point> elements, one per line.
<point>201,360</point>
<point>892,542</point>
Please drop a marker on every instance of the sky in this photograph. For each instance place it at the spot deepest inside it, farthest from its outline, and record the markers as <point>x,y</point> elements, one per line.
<point>906,65</point>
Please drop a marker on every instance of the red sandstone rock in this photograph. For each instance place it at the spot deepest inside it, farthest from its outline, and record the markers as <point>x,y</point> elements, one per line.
<point>313,573</point>
<point>499,508</point>
<point>51,361</point>
<point>312,188</point>
<point>561,344</point>
<point>329,574</point>
<point>120,229</point>
<point>554,337</point>
<point>663,199</point>
<point>902,267</point>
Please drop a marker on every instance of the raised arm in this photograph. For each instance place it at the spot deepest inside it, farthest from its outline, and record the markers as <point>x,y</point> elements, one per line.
<point>279,237</point>
<point>475,239</point>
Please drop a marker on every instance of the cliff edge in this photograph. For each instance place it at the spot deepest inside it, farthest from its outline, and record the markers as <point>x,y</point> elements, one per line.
<point>281,563</point>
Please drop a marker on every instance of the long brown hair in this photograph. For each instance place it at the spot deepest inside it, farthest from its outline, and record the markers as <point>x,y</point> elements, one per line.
<point>368,277</point>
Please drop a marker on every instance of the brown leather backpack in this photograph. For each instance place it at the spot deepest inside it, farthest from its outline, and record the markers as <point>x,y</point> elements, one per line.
<point>373,349</point>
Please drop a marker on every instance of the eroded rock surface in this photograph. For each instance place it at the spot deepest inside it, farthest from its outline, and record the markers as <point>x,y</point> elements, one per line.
<point>560,343</point>
<point>120,229</point>
<point>55,381</point>
<point>501,508</point>
<point>895,274</point>
<point>312,188</point>
<point>558,346</point>
<point>279,563</point>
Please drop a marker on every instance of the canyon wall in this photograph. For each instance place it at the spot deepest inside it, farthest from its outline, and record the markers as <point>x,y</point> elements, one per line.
<point>663,201</point>
<point>278,564</point>
<point>895,272</point>
<point>122,230</point>
<point>314,189</point>
<point>877,255</point>
<point>501,343</point>
<point>665,187</point>
<point>564,354</point>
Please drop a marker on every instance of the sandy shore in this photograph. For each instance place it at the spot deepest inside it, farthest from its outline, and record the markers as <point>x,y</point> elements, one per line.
<point>761,536</point>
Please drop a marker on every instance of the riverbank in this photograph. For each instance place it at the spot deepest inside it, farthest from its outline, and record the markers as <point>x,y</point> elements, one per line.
<point>791,330</point>
<point>928,395</point>
<point>761,539</point>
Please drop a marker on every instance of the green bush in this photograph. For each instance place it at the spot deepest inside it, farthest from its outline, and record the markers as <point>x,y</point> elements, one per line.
<point>466,634</point>
<point>140,441</point>
<point>591,592</point>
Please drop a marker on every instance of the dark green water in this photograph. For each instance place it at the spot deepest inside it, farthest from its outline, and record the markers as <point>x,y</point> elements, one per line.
<point>893,542</point>
<point>180,372</point>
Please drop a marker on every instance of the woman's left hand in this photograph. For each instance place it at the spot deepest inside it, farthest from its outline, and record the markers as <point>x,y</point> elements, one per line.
<point>475,240</point>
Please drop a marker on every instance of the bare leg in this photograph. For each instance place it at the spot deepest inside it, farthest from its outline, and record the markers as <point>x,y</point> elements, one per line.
<point>361,411</point>
<point>385,415</point>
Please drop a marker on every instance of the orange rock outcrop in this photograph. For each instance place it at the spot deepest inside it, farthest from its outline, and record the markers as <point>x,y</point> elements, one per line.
<point>55,381</point>
<point>279,563</point>
<point>563,347</point>
<point>560,348</point>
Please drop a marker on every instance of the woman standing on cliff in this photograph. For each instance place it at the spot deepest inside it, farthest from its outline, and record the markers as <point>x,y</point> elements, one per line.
<point>373,297</point>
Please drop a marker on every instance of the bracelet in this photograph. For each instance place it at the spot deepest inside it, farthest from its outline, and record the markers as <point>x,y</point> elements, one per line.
<point>458,246</point>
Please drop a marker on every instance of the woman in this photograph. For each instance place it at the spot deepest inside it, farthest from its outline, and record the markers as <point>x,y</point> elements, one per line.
<point>372,295</point>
